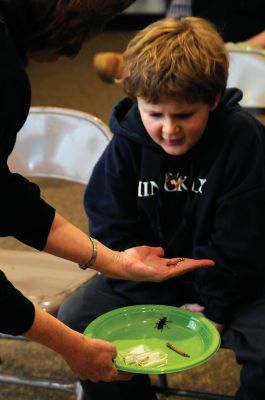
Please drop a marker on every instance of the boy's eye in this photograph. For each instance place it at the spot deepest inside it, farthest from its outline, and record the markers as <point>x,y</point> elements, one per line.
<point>184,116</point>
<point>177,116</point>
<point>155,115</point>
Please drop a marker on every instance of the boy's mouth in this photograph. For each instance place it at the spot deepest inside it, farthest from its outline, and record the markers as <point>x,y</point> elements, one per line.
<point>174,142</point>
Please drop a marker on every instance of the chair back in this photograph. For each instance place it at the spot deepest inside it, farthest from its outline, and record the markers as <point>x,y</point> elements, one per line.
<point>247,72</point>
<point>59,143</point>
<point>62,144</point>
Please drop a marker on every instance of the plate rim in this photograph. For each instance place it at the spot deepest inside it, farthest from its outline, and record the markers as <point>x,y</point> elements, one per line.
<point>215,345</point>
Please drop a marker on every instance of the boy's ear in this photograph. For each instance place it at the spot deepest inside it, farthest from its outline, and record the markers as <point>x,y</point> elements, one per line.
<point>216,102</point>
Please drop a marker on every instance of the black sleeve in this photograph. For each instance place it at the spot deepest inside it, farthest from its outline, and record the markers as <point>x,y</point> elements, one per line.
<point>16,311</point>
<point>23,213</point>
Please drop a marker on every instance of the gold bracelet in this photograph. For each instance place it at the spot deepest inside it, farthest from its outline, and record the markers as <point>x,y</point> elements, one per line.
<point>93,257</point>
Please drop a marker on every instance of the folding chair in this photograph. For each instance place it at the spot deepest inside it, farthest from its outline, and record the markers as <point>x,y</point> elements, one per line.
<point>247,72</point>
<point>62,144</point>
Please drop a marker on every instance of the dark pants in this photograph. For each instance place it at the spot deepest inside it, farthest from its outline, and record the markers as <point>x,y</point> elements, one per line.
<point>245,336</point>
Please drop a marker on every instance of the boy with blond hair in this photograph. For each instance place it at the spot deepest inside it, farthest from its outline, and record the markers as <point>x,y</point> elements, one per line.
<point>185,170</point>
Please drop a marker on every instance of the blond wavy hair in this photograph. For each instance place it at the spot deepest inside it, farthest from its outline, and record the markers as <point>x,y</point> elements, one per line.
<point>184,59</point>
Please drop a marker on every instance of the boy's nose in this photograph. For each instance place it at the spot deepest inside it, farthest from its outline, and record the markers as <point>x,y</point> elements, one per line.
<point>170,128</point>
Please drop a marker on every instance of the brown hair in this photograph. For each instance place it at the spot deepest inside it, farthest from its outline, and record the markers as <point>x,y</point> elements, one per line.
<point>183,58</point>
<point>60,24</point>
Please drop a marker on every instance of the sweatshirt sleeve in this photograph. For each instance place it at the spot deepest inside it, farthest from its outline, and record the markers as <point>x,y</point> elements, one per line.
<point>110,199</point>
<point>237,232</point>
<point>17,312</point>
<point>25,216</point>
<point>23,213</point>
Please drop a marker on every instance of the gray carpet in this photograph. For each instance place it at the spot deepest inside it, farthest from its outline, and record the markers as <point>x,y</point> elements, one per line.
<point>74,84</point>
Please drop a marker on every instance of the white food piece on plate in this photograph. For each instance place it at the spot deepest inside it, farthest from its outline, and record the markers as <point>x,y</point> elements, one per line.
<point>143,356</point>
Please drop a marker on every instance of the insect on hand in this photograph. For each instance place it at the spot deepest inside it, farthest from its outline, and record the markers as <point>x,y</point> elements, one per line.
<point>162,323</point>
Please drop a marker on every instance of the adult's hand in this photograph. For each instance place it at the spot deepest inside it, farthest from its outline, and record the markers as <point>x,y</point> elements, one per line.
<point>145,263</point>
<point>92,359</point>
<point>89,358</point>
<point>141,263</point>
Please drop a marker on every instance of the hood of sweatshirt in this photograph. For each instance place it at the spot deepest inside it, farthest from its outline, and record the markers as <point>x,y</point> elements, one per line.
<point>125,118</point>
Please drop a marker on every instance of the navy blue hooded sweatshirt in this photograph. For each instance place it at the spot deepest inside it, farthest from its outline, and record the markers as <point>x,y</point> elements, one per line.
<point>216,212</point>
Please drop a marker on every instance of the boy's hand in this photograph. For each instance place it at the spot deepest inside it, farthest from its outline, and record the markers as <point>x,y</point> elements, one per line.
<point>197,308</point>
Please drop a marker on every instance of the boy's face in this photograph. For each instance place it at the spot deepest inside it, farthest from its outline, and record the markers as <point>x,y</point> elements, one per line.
<point>175,125</point>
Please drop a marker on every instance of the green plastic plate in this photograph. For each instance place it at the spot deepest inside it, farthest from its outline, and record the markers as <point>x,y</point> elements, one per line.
<point>130,326</point>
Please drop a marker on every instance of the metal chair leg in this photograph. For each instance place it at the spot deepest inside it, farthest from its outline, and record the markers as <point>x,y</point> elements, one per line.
<point>79,391</point>
<point>35,382</point>
<point>74,387</point>
<point>167,391</point>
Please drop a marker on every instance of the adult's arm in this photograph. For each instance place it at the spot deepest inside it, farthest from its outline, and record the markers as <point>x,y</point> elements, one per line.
<point>258,40</point>
<point>89,358</point>
<point>143,263</point>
